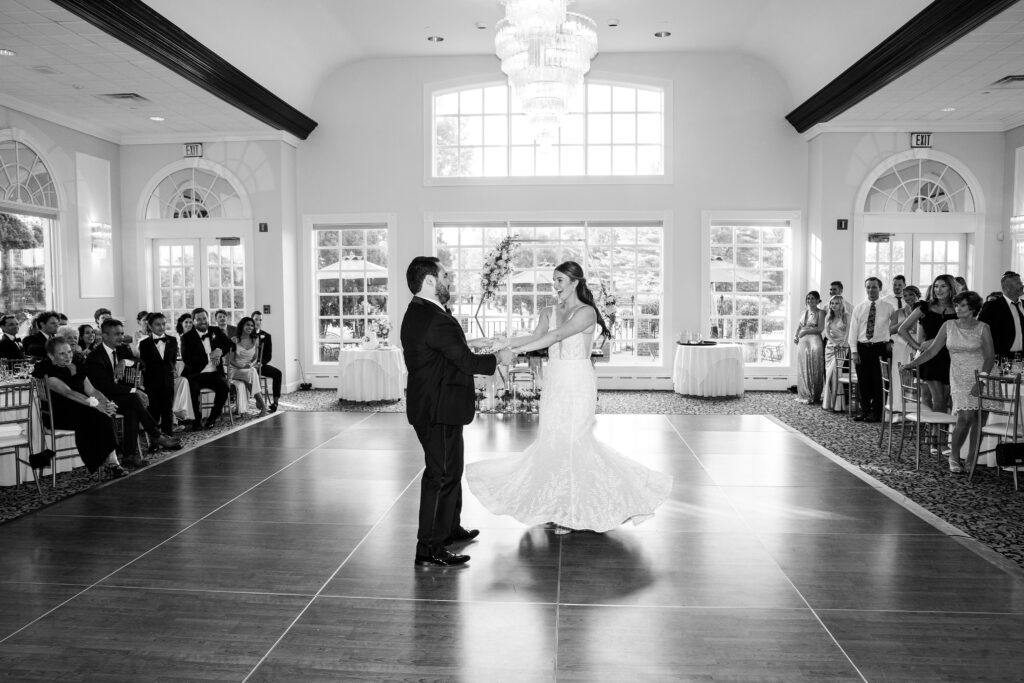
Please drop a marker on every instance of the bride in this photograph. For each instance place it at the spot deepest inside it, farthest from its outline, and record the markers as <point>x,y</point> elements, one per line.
<point>567,476</point>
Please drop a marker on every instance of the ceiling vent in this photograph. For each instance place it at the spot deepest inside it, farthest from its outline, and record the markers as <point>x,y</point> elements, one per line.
<point>45,70</point>
<point>123,98</point>
<point>1014,82</point>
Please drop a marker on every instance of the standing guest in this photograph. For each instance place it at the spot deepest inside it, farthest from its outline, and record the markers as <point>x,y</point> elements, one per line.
<point>810,351</point>
<point>1005,316</point>
<point>105,367</point>
<point>159,355</point>
<point>895,299</point>
<point>100,315</point>
<point>835,288</point>
<point>932,314</point>
<point>202,349</point>
<point>901,351</point>
<point>223,321</point>
<point>86,338</point>
<point>45,325</point>
<point>10,347</point>
<point>969,342</point>
<point>869,343</point>
<point>266,355</point>
<point>241,362</point>
<point>837,334</point>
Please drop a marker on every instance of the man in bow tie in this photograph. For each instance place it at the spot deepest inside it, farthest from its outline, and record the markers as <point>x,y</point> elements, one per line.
<point>10,347</point>
<point>159,354</point>
<point>202,349</point>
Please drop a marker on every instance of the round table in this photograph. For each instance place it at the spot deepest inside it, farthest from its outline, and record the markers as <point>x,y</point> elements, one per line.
<point>371,374</point>
<point>708,370</point>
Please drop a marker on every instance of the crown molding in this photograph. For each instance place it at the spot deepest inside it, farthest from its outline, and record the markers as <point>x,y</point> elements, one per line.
<point>905,127</point>
<point>210,138</point>
<point>59,118</point>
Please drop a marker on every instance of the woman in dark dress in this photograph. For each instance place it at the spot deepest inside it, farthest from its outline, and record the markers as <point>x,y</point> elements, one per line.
<point>78,406</point>
<point>932,314</point>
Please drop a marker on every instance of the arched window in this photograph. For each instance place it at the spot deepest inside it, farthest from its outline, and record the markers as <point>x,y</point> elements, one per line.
<point>920,186</point>
<point>24,179</point>
<point>194,193</point>
<point>612,129</point>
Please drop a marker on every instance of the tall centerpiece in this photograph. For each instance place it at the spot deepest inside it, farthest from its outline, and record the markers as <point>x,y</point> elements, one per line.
<point>497,268</point>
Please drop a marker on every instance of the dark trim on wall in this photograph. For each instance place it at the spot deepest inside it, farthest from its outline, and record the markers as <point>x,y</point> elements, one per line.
<point>139,26</point>
<point>932,29</point>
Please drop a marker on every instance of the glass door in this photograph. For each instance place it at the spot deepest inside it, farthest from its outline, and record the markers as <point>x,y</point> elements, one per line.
<point>919,258</point>
<point>199,272</point>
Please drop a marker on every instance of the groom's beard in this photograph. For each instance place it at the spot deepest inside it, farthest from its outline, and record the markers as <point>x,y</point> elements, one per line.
<point>443,294</point>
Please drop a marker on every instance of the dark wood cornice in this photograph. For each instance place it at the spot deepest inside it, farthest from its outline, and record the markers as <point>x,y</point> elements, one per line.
<point>139,26</point>
<point>934,28</point>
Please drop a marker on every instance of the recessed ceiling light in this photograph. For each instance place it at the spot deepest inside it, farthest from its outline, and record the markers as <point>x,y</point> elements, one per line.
<point>948,109</point>
<point>662,34</point>
<point>436,39</point>
<point>4,52</point>
<point>480,25</point>
<point>612,23</point>
<point>156,118</point>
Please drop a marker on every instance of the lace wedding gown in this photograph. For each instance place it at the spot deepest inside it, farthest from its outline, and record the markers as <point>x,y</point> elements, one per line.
<point>567,476</point>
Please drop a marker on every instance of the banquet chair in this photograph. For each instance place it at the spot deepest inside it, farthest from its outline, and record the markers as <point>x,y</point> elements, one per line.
<point>16,427</point>
<point>914,412</point>
<point>1000,399</point>
<point>890,414</point>
<point>847,378</point>
<point>52,436</point>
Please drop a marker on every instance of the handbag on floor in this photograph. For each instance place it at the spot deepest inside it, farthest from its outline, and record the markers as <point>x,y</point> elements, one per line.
<point>1010,454</point>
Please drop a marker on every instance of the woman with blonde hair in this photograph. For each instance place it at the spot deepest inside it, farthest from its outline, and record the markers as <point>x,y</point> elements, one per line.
<point>837,329</point>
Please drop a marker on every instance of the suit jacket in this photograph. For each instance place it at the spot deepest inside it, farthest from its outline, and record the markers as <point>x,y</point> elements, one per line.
<point>266,347</point>
<point>441,367</point>
<point>10,348</point>
<point>999,317</point>
<point>194,355</point>
<point>157,368</point>
<point>34,344</point>
<point>101,373</point>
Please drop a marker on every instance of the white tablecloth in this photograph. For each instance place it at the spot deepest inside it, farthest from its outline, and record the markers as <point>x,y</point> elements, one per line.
<point>708,370</point>
<point>8,476</point>
<point>371,374</point>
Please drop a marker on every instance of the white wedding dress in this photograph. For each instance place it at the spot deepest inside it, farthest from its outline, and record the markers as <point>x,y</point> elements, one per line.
<point>567,476</point>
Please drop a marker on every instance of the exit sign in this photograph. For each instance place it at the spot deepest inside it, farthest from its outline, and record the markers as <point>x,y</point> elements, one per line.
<point>920,140</point>
<point>193,149</point>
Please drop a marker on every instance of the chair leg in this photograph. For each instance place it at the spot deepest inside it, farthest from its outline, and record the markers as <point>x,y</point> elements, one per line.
<point>881,428</point>
<point>903,436</point>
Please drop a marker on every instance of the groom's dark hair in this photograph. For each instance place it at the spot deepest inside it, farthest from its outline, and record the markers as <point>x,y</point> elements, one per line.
<point>419,269</point>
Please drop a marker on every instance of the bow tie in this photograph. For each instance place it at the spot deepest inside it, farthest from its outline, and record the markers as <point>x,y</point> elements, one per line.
<point>161,338</point>
<point>204,336</point>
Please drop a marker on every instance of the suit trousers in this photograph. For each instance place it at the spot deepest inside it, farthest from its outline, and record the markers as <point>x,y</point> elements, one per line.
<point>135,415</point>
<point>216,383</point>
<point>161,404</point>
<point>869,377</point>
<point>441,487</point>
<point>275,377</point>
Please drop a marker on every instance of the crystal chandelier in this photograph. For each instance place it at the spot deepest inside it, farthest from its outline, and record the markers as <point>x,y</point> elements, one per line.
<point>544,50</point>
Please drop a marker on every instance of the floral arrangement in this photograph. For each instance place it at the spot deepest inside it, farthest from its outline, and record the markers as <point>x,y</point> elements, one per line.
<point>498,266</point>
<point>605,300</point>
<point>381,328</point>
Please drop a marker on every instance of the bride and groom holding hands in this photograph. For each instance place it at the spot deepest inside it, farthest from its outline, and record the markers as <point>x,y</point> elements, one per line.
<point>566,477</point>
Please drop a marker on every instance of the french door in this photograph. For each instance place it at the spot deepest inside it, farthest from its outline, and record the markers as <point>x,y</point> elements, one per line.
<point>199,272</point>
<point>918,257</point>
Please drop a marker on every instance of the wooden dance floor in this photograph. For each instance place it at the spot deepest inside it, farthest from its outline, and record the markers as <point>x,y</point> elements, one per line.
<point>284,552</point>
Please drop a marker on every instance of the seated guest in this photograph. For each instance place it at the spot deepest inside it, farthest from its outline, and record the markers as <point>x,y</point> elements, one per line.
<point>141,332</point>
<point>63,319</point>
<point>159,355</point>
<point>202,349</point>
<point>86,338</point>
<point>263,362</point>
<point>10,347</point>
<point>222,319</point>
<point>184,324</point>
<point>1005,316</point>
<point>993,296</point>
<point>961,284</point>
<point>242,368</point>
<point>77,405</point>
<point>69,334</point>
<point>105,367</point>
<point>45,326</point>
<point>100,315</point>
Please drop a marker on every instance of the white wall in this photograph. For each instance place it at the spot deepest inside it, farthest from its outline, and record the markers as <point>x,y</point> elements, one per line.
<point>57,146</point>
<point>733,149</point>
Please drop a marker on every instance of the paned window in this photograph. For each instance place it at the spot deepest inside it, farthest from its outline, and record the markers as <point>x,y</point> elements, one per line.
<point>920,186</point>
<point>194,193</point>
<point>750,293</point>
<point>352,286</point>
<point>623,263</point>
<point>610,130</point>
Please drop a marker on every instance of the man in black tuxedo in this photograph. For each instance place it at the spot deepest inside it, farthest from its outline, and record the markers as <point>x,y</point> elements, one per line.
<point>439,402</point>
<point>10,347</point>
<point>202,349</point>
<point>45,326</point>
<point>1005,316</point>
<point>105,367</point>
<point>265,354</point>
<point>220,316</point>
<point>159,354</point>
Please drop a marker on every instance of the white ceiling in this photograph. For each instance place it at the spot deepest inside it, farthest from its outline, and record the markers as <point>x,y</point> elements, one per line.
<point>290,47</point>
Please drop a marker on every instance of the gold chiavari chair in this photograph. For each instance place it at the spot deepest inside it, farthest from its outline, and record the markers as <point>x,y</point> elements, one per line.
<point>52,436</point>
<point>16,427</point>
<point>890,413</point>
<point>847,378</point>
<point>917,414</point>
<point>999,403</point>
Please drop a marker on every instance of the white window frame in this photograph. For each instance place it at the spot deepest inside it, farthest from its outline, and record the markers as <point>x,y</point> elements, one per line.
<point>432,89</point>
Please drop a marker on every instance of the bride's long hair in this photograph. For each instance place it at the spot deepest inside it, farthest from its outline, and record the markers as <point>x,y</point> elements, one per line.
<point>574,271</point>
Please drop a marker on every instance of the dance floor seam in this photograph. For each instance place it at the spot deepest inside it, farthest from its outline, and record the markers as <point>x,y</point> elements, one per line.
<point>295,562</point>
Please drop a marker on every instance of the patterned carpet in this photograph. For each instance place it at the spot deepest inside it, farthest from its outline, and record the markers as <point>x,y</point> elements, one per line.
<point>988,510</point>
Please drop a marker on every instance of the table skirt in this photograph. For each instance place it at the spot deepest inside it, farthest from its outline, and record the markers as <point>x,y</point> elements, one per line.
<point>708,370</point>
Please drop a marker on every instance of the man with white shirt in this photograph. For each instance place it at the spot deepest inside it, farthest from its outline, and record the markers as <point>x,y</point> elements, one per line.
<point>835,288</point>
<point>105,367</point>
<point>1005,316</point>
<point>896,298</point>
<point>158,353</point>
<point>10,347</point>
<point>202,349</point>
<point>869,343</point>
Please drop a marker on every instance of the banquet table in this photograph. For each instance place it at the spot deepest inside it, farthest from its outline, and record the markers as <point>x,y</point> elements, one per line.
<point>371,374</point>
<point>8,472</point>
<point>708,370</point>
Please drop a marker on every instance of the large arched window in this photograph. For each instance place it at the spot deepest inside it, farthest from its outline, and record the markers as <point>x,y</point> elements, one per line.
<point>920,186</point>
<point>612,129</point>
<point>194,193</point>
<point>28,205</point>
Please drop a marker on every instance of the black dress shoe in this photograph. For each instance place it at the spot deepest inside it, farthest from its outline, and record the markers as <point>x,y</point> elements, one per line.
<point>442,558</point>
<point>872,418</point>
<point>273,407</point>
<point>197,426</point>
<point>116,471</point>
<point>860,418</point>
<point>462,535</point>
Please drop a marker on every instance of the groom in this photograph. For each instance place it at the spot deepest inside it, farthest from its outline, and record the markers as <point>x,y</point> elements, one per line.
<point>439,401</point>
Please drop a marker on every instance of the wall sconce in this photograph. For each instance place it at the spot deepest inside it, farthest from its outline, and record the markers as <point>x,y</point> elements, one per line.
<point>101,238</point>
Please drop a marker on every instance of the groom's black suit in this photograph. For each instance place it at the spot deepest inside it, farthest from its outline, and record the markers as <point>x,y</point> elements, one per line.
<point>439,401</point>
